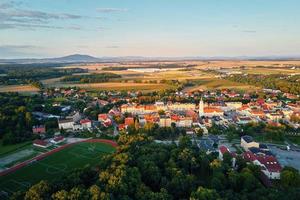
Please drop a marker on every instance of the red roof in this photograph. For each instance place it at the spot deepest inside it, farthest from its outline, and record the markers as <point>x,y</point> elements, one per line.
<point>249,156</point>
<point>84,121</point>
<point>129,121</point>
<point>175,117</point>
<point>224,149</point>
<point>121,126</point>
<point>59,138</point>
<point>102,117</point>
<point>40,142</point>
<point>270,162</point>
<point>212,110</point>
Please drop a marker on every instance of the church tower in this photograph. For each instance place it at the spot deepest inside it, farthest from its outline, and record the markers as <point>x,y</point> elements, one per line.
<point>201,108</point>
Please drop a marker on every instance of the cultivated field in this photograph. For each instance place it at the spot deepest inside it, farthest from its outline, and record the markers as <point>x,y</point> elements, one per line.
<point>54,166</point>
<point>187,70</point>
<point>220,84</point>
<point>19,88</point>
<point>147,87</point>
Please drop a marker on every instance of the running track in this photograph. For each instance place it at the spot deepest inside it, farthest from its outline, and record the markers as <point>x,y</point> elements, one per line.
<point>42,156</point>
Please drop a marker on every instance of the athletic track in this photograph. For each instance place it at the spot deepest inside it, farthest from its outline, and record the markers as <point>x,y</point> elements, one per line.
<point>42,156</point>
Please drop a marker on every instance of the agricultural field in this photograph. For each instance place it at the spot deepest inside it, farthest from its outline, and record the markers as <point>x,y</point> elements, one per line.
<point>214,83</point>
<point>19,88</point>
<point>145,87</point>
<point>55,165</point>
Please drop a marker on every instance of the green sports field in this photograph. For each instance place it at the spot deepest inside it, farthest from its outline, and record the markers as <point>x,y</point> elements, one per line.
<point>55,165</point>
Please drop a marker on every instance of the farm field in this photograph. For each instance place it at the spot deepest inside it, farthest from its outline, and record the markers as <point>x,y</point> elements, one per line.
<point>55,165</point>
<point>220,84</point>
<point>116,86</point>
<point>19,88</point>
<point>268,71</point>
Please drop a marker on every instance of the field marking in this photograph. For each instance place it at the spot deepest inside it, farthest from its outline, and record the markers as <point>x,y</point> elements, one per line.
<point>53,167</point>
<point>80,155</point>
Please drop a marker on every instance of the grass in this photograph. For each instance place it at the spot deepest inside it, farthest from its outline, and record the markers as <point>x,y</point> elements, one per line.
<point>8,149</point>
<point>294,139</point>
<point>55,165</point>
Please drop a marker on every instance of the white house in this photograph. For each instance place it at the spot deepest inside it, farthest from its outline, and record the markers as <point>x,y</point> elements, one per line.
<point>65,124</point>
<point>248,142</point>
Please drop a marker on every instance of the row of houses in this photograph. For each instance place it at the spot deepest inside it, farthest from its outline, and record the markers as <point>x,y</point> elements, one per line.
<point>260,155</point>
<point>48,143</point>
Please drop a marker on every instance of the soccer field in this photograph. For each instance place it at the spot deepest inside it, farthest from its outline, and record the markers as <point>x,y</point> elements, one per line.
<point>55,165</point>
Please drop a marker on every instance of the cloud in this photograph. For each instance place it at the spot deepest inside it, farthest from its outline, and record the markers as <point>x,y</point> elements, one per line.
<point>248,31</point>
<point>111,10</point>
<point>13,17</point>
<point>18,50</point>
<point>113,47</point>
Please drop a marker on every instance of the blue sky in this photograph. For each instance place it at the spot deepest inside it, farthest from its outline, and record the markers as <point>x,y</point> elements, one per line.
<point>49,28</point>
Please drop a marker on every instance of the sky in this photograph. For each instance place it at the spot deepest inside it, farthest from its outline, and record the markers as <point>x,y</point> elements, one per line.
<point>152,28</point>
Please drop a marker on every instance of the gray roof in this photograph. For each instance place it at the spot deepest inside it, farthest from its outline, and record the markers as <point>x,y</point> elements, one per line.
<point>247,138</point>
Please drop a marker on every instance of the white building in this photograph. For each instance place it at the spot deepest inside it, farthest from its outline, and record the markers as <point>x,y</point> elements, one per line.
<point>248,142</point>
<point>65,124</point>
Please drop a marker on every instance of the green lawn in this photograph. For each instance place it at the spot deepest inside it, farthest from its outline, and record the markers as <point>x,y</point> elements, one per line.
<point>294,139</point>
<point>55,165</point>
<point>8,149</point>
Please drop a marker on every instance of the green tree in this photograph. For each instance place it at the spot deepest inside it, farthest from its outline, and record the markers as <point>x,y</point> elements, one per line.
<point>38,191</point>
<point>204,194</point>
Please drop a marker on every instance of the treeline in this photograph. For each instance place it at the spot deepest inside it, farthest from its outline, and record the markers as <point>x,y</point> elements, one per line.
<point>24,74</point>
<point>289,84</point>
<point>160,66</point>
<point>144,170</point>
<point>15,117</point>
<point>91,78</point>
<point>114,68</point>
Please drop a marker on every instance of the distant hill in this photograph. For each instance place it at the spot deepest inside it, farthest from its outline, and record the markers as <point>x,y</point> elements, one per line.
<point>75,58</point>
<point>80,58</point>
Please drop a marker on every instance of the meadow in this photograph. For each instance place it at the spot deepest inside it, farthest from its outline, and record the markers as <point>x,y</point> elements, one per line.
<point>55,166</point>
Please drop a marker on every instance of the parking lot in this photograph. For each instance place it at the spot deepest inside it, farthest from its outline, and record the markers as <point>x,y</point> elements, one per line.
<point>286,158</point>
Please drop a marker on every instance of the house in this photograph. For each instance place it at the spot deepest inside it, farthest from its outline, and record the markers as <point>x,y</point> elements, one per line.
<point>41,143</point>
<point>86,123</point>
<point>165,121</point>
<point>65,124</point>
<point>39,129</point>
<point>121,127</point>
<point>129,121</point>
<point>244,120</point>
<point>114,112</point>
<point>222,150</point>
<point>269,164</point>
<point>57,140</point>
<point>248,142</point>
<point>213,111</point>
<point>105,120</point>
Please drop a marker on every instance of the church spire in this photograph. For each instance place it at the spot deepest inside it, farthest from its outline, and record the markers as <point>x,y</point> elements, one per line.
<point>201,108</point>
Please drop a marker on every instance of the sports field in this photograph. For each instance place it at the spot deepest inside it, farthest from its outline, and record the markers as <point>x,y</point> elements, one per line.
<point>55,165</point>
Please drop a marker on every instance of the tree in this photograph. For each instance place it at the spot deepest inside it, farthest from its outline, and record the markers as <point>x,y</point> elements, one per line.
<point>60,195</point>
<point>97,194</point>
<point>38,191</point>
<point>204,194</point>
<point>290,177</point>
<point>199,132</point>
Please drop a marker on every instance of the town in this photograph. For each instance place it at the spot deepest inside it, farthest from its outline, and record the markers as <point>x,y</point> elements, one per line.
<point>149,100</point>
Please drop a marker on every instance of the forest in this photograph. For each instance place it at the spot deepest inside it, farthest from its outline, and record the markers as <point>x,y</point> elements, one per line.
<point>91,78</point>
<point>285,83</point>
<point>142,169</point>
<point>28,73</point>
